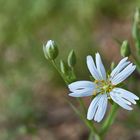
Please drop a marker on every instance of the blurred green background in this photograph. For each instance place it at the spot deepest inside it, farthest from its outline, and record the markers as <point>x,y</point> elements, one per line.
<point>32,95</point>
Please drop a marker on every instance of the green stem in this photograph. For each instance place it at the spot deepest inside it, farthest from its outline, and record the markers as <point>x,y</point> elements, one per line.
<point>136,62</point>
<point>91,126</point>
<point>137,44</point>
<point>88,123</point>
<point>81,102</point>
<point>97,137</point>
<point>73,73</point>
<point>54,64</point>
<point>109,120</point>
<point>135,59</point>
<point>93,136</point>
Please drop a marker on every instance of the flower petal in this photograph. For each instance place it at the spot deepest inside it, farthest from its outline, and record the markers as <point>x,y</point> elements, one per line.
<point>123,102</point>
<point>100,67</point>
<point>129,96</point>
<point>81,84</point>
<point>81,93</point>
<point>102,106</point>
<point>81,88</point>
<point>93,107</point>
<point>123,74</point>
<point>119,67</point>
<point>92,68</point>
<point>97,108</point>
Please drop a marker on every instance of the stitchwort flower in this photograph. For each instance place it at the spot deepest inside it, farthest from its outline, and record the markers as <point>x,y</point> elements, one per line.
<point>104,87</point>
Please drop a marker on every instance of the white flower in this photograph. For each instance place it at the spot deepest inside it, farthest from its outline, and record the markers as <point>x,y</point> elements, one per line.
<point>104,87</point>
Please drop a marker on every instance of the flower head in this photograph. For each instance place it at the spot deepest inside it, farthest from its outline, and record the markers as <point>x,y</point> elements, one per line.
<point>50,50</point>
<point>104,87</point>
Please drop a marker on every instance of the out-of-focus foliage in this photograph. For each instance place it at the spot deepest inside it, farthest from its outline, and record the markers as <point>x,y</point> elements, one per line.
<point>25,25</point>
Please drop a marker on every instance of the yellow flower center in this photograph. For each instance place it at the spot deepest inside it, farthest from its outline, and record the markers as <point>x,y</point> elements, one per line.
<point>102,86</point>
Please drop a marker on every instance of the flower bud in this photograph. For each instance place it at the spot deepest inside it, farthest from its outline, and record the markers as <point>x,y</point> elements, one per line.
<point>63,67</point>
<point>125,49</point>
<point>50,50</point>
<point>137,15</point>
<point>71,59</point>
<point>135,27</point>
<point>112,65</point>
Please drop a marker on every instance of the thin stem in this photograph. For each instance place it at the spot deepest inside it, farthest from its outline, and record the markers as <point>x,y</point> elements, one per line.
<point>137,45</point>
<point>81,102</point>
<point>89,123</point>
<point>73,73</point>
<point>137,62</point>
<point>54,64</point>
<point>109,120</point>
<point>91,126</point>
<point>98,137</point>
<point>93,136</point>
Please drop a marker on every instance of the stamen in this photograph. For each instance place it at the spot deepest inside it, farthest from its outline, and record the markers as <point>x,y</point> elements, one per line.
<point>94,93</point>
<point>103,86</point>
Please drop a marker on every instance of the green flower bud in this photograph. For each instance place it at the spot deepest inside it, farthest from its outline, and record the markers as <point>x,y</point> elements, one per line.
<point>125,49</point>
<point>63,67</point>
<point>50,50</point>
<point>137,15</point>
<point>112,66</point>
<point>71,59</point>
<point>135,28</point>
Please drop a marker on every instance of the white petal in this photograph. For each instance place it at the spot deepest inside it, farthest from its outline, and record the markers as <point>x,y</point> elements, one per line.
<point>93,107</point>
<point>126,95</point>
<point>82,93</point>
<point>92,68</point>
<point>102,106</point>
<point>119,67</point>
<point>80,85</point>
<point>120,101</point>
<point>81,88</point>
<point>123,74</point>
<point>100,67</point>
<point>119,97</point>
<point>97,108</point>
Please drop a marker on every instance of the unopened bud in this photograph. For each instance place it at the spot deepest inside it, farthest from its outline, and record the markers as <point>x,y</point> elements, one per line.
<point>112,66</point>
<point>137,15</point>
<point>50,50</point>
<point>71,59</point>
<point>136,25</point>
<point>125,49</point>
<point>63,67</point>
